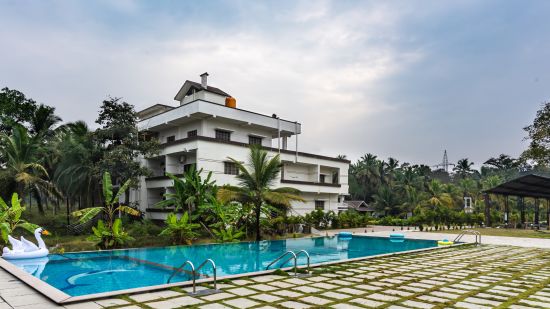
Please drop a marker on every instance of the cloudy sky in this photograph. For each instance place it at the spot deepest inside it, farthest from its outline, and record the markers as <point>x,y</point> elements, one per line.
<point>406,79</point>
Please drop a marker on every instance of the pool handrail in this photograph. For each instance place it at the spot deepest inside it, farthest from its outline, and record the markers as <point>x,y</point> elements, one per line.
<point>177,270</point>
<point>213,267</point>
<point>282,256</point>
<point>307,255</point>
<point>471,232</point>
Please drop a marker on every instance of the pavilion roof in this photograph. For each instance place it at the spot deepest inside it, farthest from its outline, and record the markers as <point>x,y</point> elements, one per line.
<point>531,185</point>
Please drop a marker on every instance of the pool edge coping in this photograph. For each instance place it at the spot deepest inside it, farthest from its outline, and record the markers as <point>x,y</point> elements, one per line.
<point>42,287</point>
<point>60,297</point>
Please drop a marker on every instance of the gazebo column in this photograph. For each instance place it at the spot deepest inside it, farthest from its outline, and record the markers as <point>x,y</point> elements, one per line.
<point>506,211</point>
<point>537,209</point>
<point>487,210</point>
<point>521,206</point>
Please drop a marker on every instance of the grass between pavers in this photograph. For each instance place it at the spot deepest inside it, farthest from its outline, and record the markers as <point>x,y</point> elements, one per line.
<point>504,232</point>
<point>406,259</point>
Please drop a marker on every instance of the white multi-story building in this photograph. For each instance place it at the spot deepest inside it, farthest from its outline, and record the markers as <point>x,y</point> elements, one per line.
<point>207,128</point>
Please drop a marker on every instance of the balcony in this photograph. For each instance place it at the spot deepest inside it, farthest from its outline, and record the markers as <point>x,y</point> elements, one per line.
<point>311,183</point>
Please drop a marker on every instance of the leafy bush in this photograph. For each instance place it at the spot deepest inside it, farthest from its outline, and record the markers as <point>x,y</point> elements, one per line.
<point>144,228</point>
<point>229,234</point>
<point>10,218</point>
<point>106,237</point>
<point>180,230</point>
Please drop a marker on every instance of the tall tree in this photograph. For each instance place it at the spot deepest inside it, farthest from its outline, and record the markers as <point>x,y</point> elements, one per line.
<point>256,184</point>
<point>539,135</point>
<point>119,139</point>
<point>75,174</point>
<point>21,157</point>
<point>15,108</point>
<point>463,168</point>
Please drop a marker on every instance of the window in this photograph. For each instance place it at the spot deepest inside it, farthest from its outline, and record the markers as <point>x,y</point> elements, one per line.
<point>170,138</point>
<point>322,178</point>
<point>254,140</point>
<point>223,135</point>
<point>192,133</point>
<point>230,168</point>
<point>319,205</point>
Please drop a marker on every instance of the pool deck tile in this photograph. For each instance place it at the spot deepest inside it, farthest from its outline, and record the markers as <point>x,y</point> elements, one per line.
<point>111,302</point>
<point>294,305</point>
<point>241,303</point>
<point>242,291</point>
<point>314,300</point>
<point>266,298</point>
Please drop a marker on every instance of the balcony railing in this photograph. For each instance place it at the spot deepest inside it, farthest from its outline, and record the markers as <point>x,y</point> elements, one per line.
<point>311,183</point>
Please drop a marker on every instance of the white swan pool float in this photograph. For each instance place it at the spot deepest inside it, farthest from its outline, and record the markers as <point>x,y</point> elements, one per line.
<point>24,249</point>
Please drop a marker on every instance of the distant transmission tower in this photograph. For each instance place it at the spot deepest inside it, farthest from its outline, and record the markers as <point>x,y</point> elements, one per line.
<point>445,163</point>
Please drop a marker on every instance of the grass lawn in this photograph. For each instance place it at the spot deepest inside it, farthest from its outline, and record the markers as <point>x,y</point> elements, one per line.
<point>505,232</point>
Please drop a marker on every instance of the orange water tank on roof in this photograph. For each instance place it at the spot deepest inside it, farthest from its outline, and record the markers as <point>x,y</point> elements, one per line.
<point>231,102</point>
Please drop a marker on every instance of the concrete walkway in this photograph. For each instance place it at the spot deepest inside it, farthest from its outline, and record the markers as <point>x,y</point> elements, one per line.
<point>385,231</point>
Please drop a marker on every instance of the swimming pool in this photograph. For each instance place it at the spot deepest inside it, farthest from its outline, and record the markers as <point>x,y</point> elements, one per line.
<point>85,273</point>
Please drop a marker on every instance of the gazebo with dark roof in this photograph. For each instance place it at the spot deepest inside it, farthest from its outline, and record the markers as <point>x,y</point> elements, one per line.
<point>532,185</point>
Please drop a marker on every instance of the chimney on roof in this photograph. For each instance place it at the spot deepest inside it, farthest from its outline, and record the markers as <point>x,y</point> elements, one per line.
<point>204,80</point>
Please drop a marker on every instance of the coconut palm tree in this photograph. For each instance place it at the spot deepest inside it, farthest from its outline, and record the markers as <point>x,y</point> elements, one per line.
<point>386,200</point>
<point>255,184</point>
<point>367,174</point>
<point>75,174</point>
<point>436,195</point>
<point>463,168</point>
<point>21,156</point>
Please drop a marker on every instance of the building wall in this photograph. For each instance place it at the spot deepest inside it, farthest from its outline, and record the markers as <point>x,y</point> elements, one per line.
<point>210,156</point>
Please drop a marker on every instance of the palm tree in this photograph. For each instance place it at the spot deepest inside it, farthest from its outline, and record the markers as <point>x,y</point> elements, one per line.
<point>43,121</point>
<point>463,168</point>
<point>436,195</point>
<point>256,182</point>
<point>412,200</point>
<point>75,173</point>
<point>386,200</point>
<point>367,175</point>
<point>20,154</point>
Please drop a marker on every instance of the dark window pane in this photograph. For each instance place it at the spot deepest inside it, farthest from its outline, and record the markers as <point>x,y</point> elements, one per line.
<point>223,135</point>
<point>254,140</point>
<point>192,133</point>
<point>322,178</point>
<point>230,168</point>
<point>319,205</point>
<point>170,138</point>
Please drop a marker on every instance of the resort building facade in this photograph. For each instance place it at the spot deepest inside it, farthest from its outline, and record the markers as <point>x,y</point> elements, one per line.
<point>207,128</point>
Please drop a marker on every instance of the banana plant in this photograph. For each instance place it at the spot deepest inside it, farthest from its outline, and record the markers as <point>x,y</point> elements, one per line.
<point>180,230</point>
<point>10,218</point>
<point>191,191</point>
<point>112,206</point>
<point>110,234</point>
<point>229,234</point>
<point>109,238</point>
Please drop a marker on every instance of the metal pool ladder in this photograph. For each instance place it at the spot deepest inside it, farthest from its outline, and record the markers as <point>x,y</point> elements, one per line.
<point>469,232</point>
<point>294,256</point>
<point>194,273</point>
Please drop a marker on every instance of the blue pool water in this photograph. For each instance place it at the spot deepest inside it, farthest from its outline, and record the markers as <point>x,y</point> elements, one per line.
<point>86,273</point>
